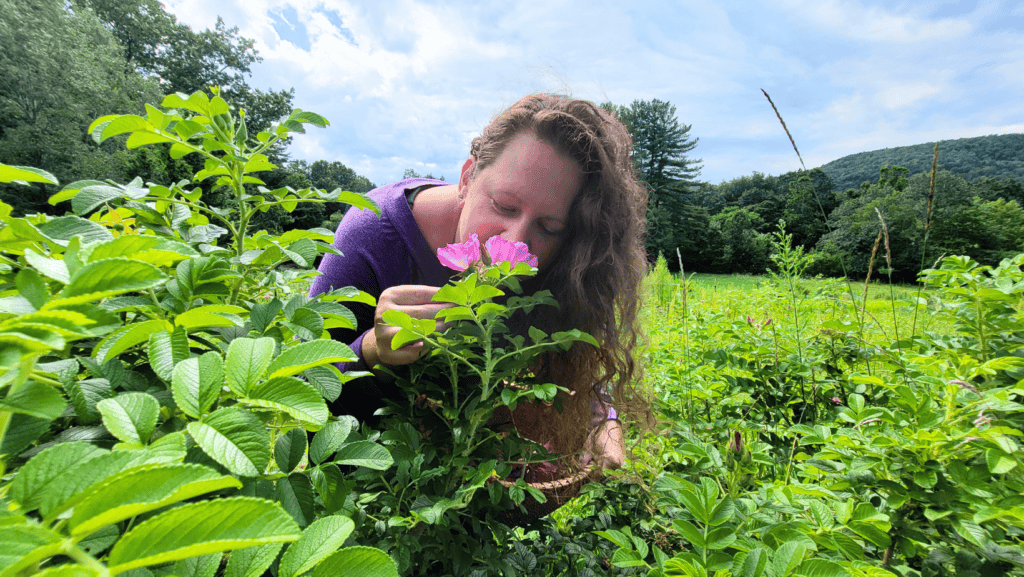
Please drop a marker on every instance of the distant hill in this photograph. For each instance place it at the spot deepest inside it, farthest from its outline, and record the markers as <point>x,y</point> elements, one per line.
<point>997,156</point>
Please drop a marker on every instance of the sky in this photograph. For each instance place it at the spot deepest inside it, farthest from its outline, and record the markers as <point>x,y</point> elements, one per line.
<point>409,83</point>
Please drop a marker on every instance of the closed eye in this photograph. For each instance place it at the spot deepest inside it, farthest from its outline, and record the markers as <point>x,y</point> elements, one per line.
<point>504,209</point>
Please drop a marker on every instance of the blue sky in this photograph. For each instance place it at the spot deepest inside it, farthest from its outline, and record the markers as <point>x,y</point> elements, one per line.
<point>408,83</point>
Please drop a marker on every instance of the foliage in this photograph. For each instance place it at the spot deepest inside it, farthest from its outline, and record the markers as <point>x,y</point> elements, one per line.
<point>980,157</point>
<point>146,363</point>
<point>660,147</point>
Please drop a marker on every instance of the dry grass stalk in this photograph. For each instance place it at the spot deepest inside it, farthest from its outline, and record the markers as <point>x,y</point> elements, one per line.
<point>871,267</point>
<point>793,142</point>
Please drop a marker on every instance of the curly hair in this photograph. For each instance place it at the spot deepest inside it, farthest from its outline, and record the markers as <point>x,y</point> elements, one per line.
<point>597,272</point>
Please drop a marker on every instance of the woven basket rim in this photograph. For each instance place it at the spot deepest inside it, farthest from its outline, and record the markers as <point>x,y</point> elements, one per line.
<point>557,483</point>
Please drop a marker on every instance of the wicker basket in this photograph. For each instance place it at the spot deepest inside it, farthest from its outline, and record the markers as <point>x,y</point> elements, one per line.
<point>558,493</point>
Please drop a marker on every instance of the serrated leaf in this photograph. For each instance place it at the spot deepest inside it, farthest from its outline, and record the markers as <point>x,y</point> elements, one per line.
<point>309,354</point>
<point>787,557</point>
<point>112,276</point>
<point>196,383</point>
<point>293,396</point>
<point>329,439</point>
<point>262,315</point>
<point>295,493</point>
<point>77,477</point>
<point>126,337</point>
<point>31,286</point>
<point>167,349</point>
<point>247,361</point>
<point>357,562</point>
<point>722,512</point>
<point>689,532</point>
<point>326,380</point>
<point>210,316</point>
<point>47,468</point>
<point>323,537</point>
<point>252,561</point>
<point>821,568</point>
<point>999,462</point>
<point>235,438</point>
<point>290,449</point>
<point>141,490</point>
<point>201,529</point>
<point>35,400</point>
<point>131,417</point>
<point>205,566</point>
<point>25,546</point>
<point>364,454</point>
<point>25,174</point>
<point>752,564</point>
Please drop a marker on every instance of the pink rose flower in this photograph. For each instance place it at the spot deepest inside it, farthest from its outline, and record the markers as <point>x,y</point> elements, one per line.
<point>501,250</point>
<point>460,256</point>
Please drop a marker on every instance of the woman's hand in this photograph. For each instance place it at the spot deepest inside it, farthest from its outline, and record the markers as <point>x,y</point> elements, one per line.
<point>606,446</point>
<point>413,300</point>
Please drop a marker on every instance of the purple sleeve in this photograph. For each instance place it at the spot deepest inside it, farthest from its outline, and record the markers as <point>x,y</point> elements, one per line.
<point>357,268</point>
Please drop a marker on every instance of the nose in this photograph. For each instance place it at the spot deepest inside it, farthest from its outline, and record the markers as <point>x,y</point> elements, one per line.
<point>516,232</point>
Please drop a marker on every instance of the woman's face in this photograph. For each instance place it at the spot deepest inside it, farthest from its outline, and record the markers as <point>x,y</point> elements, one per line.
<point>524,195</point>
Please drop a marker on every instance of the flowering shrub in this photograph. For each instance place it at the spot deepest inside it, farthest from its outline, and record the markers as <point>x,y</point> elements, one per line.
<point>440,506</point>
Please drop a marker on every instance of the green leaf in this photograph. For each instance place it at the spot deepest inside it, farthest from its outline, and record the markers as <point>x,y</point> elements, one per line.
<point>141,490</point>
<point>364,454</point>
<point>205,566</point>
<point>289,450</point>
<point>31,286</point>
<point>25,175</point>
<point>111,276</point>
<point>690,532</point>
<point>721,538</point>
<point>201,529</point>
<point>627,558</point>
<point>235,438</point>
<point>126,337</point>
<point>295,492</point>
<point>48,468</point>
<point>50,267</point>
<point>262,315</point>
<point>64,229</point>
<point>329,439</point>
<point>788,557</point>
<point>326,380</point>
<point>35,400</point>
<point>77,477</point>
<point>323,537</point>
<point>252,561</point>
<point>167,349</point>
<point>131,417</point>
<point>722,512</point>
<point>821,568</point>
<point>210,316</point>
<point>247,360</point>
<point>196,383</point>
<point>25,546</point>
<point>357,562</point>
<point>293,396</point>
<point>999,462</point>
<point>753,564</point>
<point>870,532</point>
<point>309,354</point>
<point>972,532</point>
<point>307,324</point>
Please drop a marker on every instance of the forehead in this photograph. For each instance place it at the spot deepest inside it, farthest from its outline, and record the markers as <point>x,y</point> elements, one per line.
<point>534,170</point>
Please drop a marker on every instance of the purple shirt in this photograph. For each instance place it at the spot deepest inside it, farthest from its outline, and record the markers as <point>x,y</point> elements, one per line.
<point>378,253</point>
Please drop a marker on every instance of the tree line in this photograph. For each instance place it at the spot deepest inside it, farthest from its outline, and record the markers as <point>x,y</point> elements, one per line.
<point>65,63</point>
<point>728,227</point>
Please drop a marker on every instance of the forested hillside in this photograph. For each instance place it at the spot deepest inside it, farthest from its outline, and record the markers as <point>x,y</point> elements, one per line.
<point>994,156</point>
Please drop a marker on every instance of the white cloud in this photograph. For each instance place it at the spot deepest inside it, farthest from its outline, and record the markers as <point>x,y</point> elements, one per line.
<point>852,19</point>
<point>899,96</point>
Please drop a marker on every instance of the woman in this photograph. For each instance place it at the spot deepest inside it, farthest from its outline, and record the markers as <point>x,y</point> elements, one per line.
<point>550,171</point>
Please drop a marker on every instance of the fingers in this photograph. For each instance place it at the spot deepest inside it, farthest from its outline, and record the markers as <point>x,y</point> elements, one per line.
<point>413,300</point>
